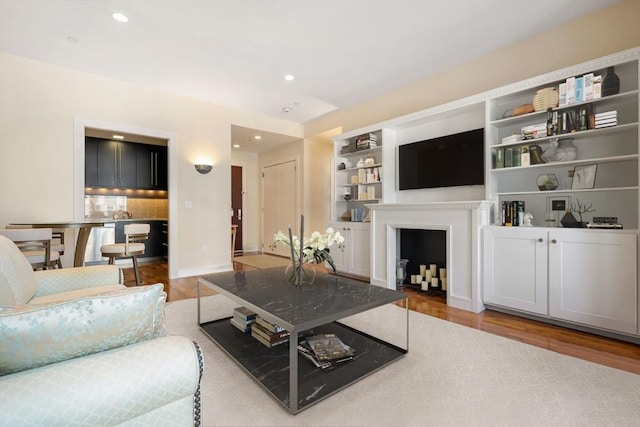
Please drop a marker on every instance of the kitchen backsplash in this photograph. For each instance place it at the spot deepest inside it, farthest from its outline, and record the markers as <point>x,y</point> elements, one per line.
<point>98,207</point>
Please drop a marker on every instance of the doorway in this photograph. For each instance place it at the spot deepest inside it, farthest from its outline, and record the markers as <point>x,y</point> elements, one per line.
<point>236,207</point>
<point>279,203</point>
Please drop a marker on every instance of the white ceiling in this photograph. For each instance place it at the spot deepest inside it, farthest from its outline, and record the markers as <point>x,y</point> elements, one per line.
<point>236,53</point>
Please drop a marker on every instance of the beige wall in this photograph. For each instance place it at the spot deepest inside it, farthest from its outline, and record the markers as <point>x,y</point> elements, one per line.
<point>39,104</point>
<point>613,29</point>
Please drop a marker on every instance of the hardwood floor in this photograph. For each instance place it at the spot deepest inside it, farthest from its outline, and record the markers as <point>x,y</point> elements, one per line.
<point>594,348</point>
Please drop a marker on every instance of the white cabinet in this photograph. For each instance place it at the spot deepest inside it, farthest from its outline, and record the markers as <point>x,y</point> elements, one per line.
<point>515,268</point>
<point>593,277</point>
<point>355,258</point>
<point>582,276</point>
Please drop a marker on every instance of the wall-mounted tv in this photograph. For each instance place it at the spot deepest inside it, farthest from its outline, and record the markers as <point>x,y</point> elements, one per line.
<point>446,161</point>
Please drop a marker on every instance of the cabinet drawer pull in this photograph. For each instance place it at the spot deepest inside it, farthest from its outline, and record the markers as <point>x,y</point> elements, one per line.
<point>554,241</point>
<point>540,240</point>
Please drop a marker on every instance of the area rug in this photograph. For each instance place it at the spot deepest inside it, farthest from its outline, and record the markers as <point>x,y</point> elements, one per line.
<point>262,260</point>
<point>452,376</point>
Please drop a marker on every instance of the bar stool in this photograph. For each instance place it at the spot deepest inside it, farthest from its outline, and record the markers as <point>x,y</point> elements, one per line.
<point>132,247</point>
<point>35,245</point>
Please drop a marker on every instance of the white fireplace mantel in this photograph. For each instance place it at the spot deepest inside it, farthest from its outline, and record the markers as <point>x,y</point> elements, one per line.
<point>462,222</point>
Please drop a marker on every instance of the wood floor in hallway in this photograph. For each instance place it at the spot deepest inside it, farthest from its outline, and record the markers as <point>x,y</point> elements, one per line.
<point>605,351</point>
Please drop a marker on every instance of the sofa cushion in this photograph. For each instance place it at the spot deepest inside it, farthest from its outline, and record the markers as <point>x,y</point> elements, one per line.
<point>34,336</point>
<point>74,294</point>
<point>17,280</point>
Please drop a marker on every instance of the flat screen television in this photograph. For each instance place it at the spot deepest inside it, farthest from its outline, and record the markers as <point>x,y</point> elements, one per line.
<point>446,161</point>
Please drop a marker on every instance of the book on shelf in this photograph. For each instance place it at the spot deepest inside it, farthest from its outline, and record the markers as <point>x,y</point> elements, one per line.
<point>571,90</point>
<point>500,158</point>
<point>512,213</point>
<point>579,89</point>
<point>268,335</point>
<point>508,157</point>
<point>588,86</point>
<point>607,114</point>
<point>562,94</point>
<point>610,120</point>
<point>525,158</point>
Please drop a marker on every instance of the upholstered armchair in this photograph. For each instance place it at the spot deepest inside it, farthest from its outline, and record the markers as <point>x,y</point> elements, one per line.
<point>79,348</point>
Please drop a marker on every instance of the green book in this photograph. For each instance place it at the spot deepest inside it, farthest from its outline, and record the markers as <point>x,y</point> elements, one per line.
<point>499,158</point>
<point>516,156</point>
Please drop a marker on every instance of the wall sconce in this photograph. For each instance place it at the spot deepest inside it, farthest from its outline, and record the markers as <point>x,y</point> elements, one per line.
<point>203,169</point>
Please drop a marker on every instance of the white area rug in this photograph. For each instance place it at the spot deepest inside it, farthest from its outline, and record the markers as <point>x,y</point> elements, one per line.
<point>262,260</point>
<point>452,376</point>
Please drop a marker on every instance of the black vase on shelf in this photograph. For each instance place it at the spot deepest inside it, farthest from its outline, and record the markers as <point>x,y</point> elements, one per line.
<point>611,83</point>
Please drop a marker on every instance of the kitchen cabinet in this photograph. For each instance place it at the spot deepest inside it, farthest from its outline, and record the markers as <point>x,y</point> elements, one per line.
<point>118,164</point>
<point>588,277</point>
<point>151,164</point>
<point>355,258</point>
<point>155,244</point>
<point>110,164</point>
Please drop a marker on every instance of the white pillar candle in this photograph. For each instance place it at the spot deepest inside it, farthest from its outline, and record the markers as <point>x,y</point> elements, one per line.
<point>434,282</point>
<point>434,270</point>
<point>427,275</point>
<point>423,269</point>
<point>425,285</point>
<point>443,273</point>
<point>443,282</point>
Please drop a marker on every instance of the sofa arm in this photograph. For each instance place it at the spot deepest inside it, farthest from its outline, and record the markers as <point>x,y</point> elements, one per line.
<point>107,388</point>
<point>69,279</point>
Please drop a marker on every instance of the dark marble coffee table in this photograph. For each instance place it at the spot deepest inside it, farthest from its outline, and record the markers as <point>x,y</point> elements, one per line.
<point>291,380</point>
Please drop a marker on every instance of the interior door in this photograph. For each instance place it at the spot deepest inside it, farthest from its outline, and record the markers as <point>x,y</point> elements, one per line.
<point>279,204</point>
<point>236,206</point>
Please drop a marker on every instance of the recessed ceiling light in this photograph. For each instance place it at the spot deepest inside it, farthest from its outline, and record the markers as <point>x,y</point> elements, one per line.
<point>289,77</point>
<point>236,145</point>
<point>120,17</point>
<point>257,137</point>
<point>118,137</point>
<point>72,39</point>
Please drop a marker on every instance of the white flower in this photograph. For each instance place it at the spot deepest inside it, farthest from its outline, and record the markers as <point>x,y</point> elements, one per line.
<point>315,249</point>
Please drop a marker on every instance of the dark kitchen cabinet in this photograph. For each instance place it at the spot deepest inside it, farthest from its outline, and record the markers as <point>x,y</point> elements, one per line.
<point>118,164</point>
<point>110,164</point>
<point>91,162</point>
<point>151,165</point>
<point>154,247</point>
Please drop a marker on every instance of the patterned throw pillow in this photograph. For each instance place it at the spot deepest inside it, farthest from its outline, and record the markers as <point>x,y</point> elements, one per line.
<point>34,336</point>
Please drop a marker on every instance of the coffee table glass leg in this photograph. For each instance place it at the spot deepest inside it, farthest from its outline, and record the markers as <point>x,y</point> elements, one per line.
<point>293,371</point>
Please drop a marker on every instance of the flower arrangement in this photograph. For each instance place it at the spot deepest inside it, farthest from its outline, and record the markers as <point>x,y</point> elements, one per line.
<point>313,250</point>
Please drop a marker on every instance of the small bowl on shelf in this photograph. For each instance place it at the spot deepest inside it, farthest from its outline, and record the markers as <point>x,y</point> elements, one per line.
<point>346,196</point>
<point>547,182</point>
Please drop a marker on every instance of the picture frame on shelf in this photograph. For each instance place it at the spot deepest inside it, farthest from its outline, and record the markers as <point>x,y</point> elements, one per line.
<point>584,177</point>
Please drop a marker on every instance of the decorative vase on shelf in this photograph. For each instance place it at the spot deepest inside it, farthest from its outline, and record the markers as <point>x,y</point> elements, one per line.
<point>301,274</point>
<point>611,83</point>
<point>562,150</point>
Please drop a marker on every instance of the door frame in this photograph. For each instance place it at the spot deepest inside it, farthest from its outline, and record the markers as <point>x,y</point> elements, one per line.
<point>79,126</point>
<point>296,161</point>
<point>242,200</point>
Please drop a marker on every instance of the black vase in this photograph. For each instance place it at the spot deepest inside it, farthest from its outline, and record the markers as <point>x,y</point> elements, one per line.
<point>611,83</point>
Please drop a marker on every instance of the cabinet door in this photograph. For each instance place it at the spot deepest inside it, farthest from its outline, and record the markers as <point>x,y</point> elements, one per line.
<point>107,163</point>
<point>161,168</point>
<point>593,278</point>
<point>91,162</point>
<point>340,257</point>
<point>359,252</point>
<point>144,166</point>
<point>515,268</point>
<point>127,165</point>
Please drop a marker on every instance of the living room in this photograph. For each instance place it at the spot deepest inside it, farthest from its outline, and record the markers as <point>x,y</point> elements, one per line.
<point>46,107</point>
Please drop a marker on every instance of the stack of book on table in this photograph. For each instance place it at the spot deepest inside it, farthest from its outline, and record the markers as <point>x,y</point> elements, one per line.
<point>268,333</point>
<point>243,318</point>
<point>325,351</point>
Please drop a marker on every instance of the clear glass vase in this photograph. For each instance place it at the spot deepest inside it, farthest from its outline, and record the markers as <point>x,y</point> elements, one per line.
<point>401,273</point>
<point>301,274</point>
